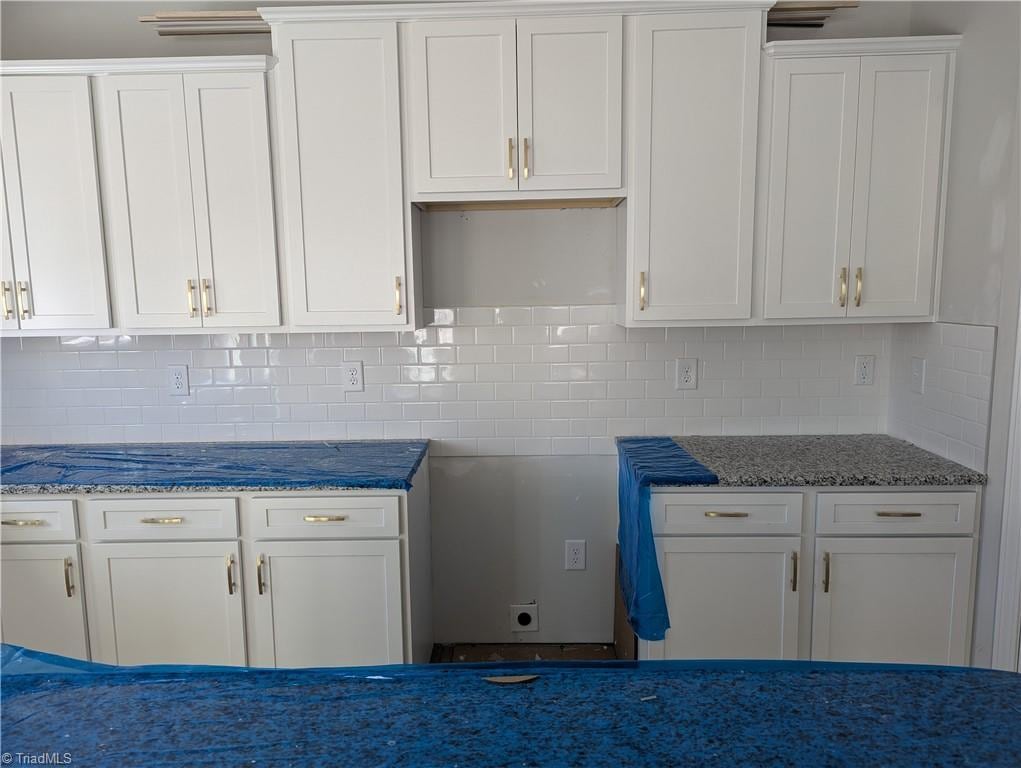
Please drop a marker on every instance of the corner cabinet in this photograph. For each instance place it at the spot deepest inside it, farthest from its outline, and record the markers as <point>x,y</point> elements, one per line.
<point>855,176</point>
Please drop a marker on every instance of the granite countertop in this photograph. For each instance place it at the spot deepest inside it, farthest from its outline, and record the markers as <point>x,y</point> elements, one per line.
<point>824,460</point>
<point>210,467</point>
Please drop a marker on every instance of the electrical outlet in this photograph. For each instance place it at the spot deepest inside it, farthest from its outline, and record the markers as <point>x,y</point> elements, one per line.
<point>864,370</point>
<point>918,375</point>
<point>352,379</point>
<point>687,373</point>
<point>179,386</point>
<point>574,555</point>
<point>524,617</point>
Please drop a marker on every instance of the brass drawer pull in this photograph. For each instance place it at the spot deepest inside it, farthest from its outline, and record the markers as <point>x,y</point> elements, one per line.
<point>397,294</point>
<point>23,307</point>
<point>843,286</point>
<point>162,520</point>
<point>510,159</point>
<point>858,277</point>
<point>641,291</point>
<point>230,574</point>
<point>726,514</point>
<point>22,523</point>
<point>794,571</point>
<point>325,518</point>
<point>826,572</point>
<point>524,170</point>
<point>8,312</point>
<point>260,580</point>
<point>191,298</point>
<point>898,514</point>
<point>207,304</point>
<point>68,586</point>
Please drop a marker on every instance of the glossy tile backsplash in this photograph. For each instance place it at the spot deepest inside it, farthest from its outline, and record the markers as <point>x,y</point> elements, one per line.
<point>478,381</point>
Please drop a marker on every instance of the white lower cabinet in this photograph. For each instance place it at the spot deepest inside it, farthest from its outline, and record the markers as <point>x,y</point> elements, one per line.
<point>893,599</point>
<point>166,602</point>
<point>325,603</point>
<point>41,604</point>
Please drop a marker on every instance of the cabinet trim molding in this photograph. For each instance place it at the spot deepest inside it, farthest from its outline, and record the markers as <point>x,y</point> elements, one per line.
<point>863,46</point>
<point>176,64</point>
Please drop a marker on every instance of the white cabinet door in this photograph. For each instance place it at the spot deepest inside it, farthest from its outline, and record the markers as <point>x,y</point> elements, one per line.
<point>148,200</point>
<point>902,600</point>
<point>8,313</point>
<point>729,598</point>
<point>463,105</point>
<point>339,155</point>
<point>811,183</point>
<point>326,603</point>
<point>52,194</point>
<point>166,603</point>
<point>42,606</point>
<point>897,183</point>
<point>697,84</point>
<point>569,102</point>
<point>228,140</point>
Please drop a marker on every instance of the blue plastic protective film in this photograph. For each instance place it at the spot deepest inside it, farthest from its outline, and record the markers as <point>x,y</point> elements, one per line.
<point>83,468</point>
<point>598,714</point>
<point>643,462</point>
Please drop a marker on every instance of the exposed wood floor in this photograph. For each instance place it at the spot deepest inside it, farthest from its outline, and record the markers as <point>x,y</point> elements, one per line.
<point>522,652</point>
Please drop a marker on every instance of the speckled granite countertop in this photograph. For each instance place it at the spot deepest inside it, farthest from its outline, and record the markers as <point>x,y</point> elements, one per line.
<point>824,460</point>
<point>210,467</point>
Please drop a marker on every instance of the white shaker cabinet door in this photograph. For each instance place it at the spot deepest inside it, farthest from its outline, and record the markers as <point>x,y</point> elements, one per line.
<point>228,140</point>
<point>692,190</point>
<point>339,156</point>
<point>463,105</point>
<point>569,102</point>
<point>147,191</point>
<point>325,603</point>
<point>166,603</point>
<point>42,606</point>
<point>52,199</point>
<point>811,183</point>
<point>897,184</point>
<point>8,310</point>
<point>729,597</point>
<point>898,600</point>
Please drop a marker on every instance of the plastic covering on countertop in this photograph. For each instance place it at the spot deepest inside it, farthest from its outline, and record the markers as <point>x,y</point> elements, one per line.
<point>593,714</point>
<point>643,462</point>
<point>388,464</point>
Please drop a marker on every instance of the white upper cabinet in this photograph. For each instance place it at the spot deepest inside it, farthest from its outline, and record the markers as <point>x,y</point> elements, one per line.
<point>339,158</point>
<point>692,185</point>
<point>856,149</point>
<point>500,105</point>
<point>56,277</point>
<point>189,199</point>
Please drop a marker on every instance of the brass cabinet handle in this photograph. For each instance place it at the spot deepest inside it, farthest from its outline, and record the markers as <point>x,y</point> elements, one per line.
<point>711,513</point>
<point>162,520</point>
<point>397,294</point>
<point>510,159</point>
<point>191,298</point>
<point>794,571</point>
<point>858,274</point>
<point>21,523</point>
<point>258,574</point>
<point>325,518</point>
<point>68,586</point>
<point>898,514</point>
<point>843,286</point>
<point>641,291</point>
<point>230,574</point>
<point>8,312</point>
<point>524,169</point>
<point>826,572</point>
<point>207,304</point>
<point>23,307</point>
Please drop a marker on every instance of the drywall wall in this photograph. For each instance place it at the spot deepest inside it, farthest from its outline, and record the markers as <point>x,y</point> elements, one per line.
<point>875,18</point>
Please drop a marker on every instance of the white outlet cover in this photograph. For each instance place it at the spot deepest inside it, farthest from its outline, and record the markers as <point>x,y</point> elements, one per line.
<point>353,379</point>
<point>524,617</point>
<point>864,370</point>
<point>686,374</point>
<point>918,375</point>
<point>574,555</point>
<point>177,381</point>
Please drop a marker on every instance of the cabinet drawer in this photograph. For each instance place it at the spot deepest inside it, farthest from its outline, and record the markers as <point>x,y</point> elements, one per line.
<point>330,517</point>
<point>891,512</point>
<point>37,520</point>
<point>737,513</point>
<point>148,519</point>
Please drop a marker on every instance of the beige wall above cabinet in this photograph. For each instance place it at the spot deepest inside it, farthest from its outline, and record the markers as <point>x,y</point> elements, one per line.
<point>52,270</point>
<point>498,105</point>
<point>188,196</point>
<point>853,175</point>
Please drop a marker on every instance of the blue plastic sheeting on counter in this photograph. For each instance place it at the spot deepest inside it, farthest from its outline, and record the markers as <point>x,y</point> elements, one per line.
<point>386,464</point>
<point>722,713</point>
<point>643,462</point>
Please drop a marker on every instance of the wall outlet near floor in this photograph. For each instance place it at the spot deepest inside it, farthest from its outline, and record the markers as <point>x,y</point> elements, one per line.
<point>918,375</point>
<point>864,370</point>
<point>687,373</point>
<point>574,555</point>
<point>352,380</point>
<point>524,617</point>
<point>178,382</point>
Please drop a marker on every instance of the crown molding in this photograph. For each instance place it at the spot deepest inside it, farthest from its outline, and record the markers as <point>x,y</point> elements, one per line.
<point>169,64</point>
<point>862,46</point>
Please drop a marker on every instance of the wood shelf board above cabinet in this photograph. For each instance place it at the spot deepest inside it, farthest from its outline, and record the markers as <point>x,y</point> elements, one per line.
<point>518,205</point>
<point>167,64</point>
